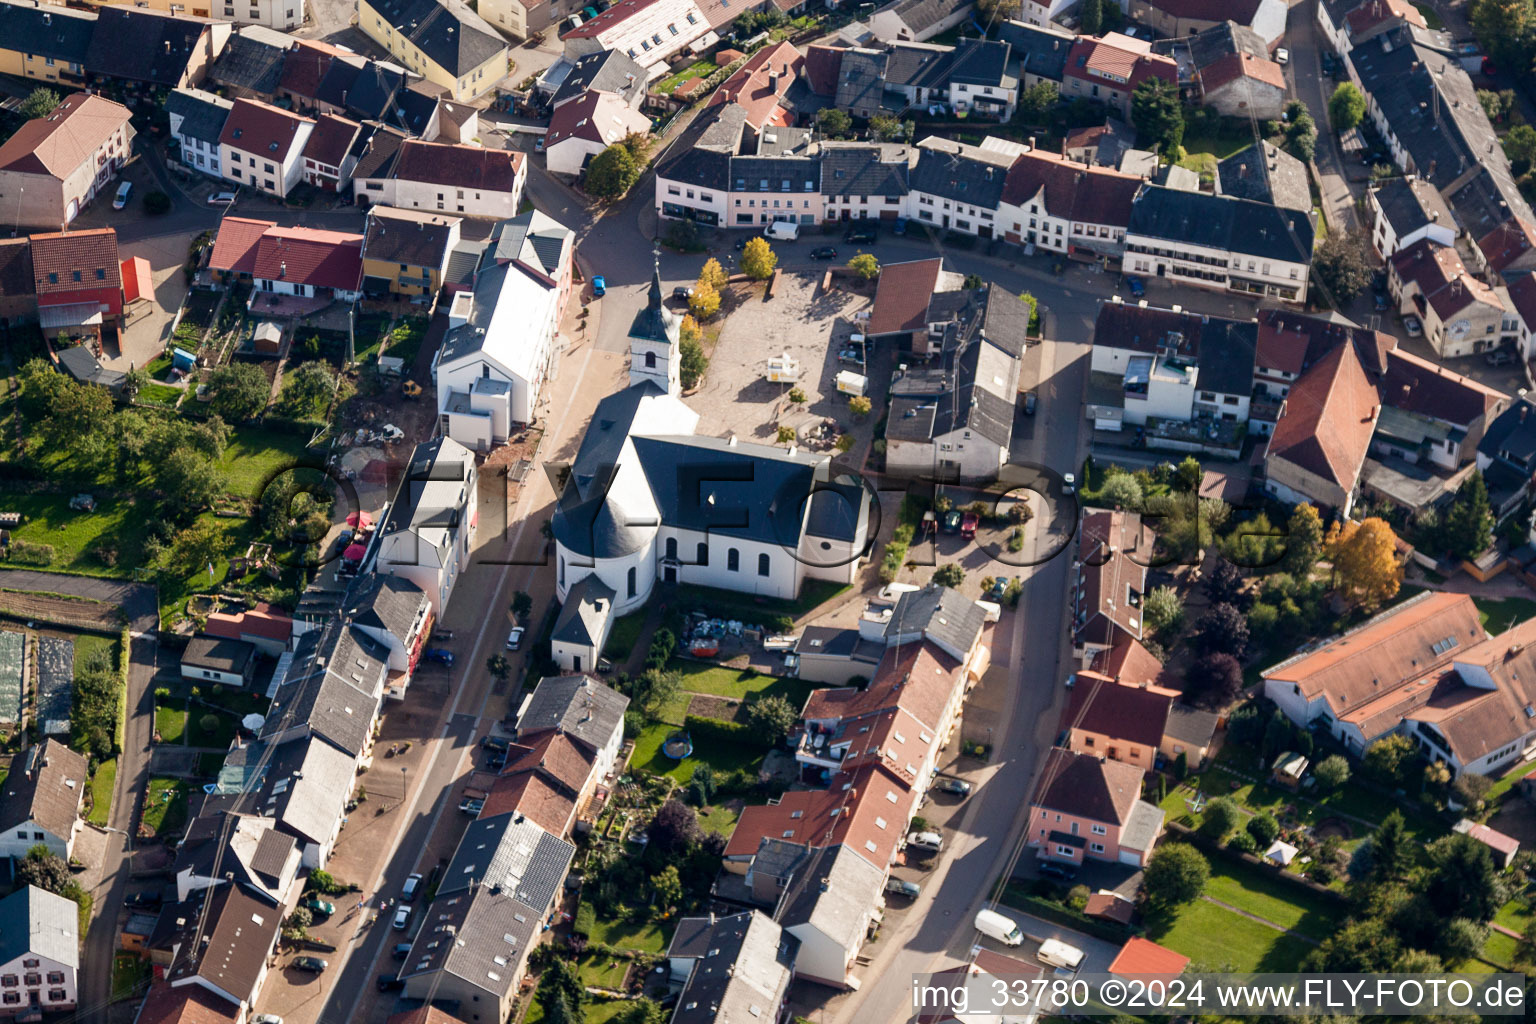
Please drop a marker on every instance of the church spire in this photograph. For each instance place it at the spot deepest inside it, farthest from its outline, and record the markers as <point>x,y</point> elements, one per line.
<point>655,298</point>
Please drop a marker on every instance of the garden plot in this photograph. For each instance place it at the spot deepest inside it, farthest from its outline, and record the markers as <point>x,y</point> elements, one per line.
<point>56,684</point>
<point>12,649</point>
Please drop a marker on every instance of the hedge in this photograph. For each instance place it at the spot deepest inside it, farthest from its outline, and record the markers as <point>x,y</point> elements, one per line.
<point>124,660</point>
<point>725,732</point>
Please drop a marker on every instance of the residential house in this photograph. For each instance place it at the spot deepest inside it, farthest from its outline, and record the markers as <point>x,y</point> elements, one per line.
<point>153,48</point>
<point>376,150</point>
<point>1461,314</point>
<point>189,1004</point>
<point>266,627</point>
<point>607,71</point>
<point>722,172</point>
<point>444,41</point>
<point>1522,299</point>
<point>863,181</point>
<point>1102,145</point>
<point>292,270</point>
<point>649,32</point>
<point>40,800</point>
<point>301,782</point>
<point>406,251</point>
<point>1242,85</point>
<point>1360,21</point>
<point>955,185</point>
<point>1087,808</point>
<point>918,305</point>
<point>1037,50</point>
<point>1507,457</point>
<point>282,15</point>
<point>39,952</point>
<point>735,967</point>
<point>1266,174</point>
<point>568,735</point>
<point>427,533</point>
<point>218,942</point>
<point>328,159</point>
<point>44,42</point>
<point>954,421</point>
<point>1406,210</point>
<point>210,659</point>
<point>1320,441</point>
<point>985,972</point>
<point>584,127</point>
<point>1143,958</point>
<point>1112,720</point>
<point>918,20</point>
<point>1178,18</point>
<point>1109,69</point>
<point>469,181</point>
<point>54,166</point>
<point>224,847</point>
<point>582,709</point>
<point>197,121</point>
<point>330,691</point>
<point>251,64</point>
<point>18,289</point>
<point>1058,204</point>
<point>1220,242</point>
<point>496,355</point>
<point>761,84</point>
<point>1114,549</point>
<point>979,81</point>
<point>394,613</point>
<point>79,283</point>
<point>263,146</point>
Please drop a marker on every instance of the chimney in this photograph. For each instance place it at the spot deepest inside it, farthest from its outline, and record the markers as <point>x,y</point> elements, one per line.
<point>1242,170</point>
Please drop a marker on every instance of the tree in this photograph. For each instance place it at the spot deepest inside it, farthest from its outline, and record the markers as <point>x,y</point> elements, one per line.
<point>1163,610</point>
<point>785,435</point>
<point>692,362</point>
<point>1460,939</point>
<point>1343,265</point>
<point>1221,817</point>
<point>771,718</point>
<point>704,302</point>
<point>859,406</point>
<point>1387,759</point>
<point>560,993</point>
<point>1264,829</point>
<point>797,396</point>
<point>949,575</point>
<point>884,127</point>
<point>1224,585</point>
<point>1214,681</point>
<point>834,122</point>
<point>522,605</point>
<point>865,266</point>
<point>40,102</point>
<point>713,274</point>
<point>1365,947</point>
<point>668,887</point>
<point>1188,474</point>
<point>1158,116</point>
<point>1090,20</point>
<point>1501,26</point>
<point>757,259</point>
<point>1346,107</point>
<point>1222,629</point>
<point>189,481</point>
<point>307,391</point>
<point>44,870</point>
<point>643,1011</point>
<point>992,11</point>
<point>1304,541</point>
<point>238,391</point>
<point>1462,880</point>
<point>499,667</point>
<point>1300,131</point>
<point>1469,524</point>
<point>675,829</point>
<point>1492,103</point>
<point>1520,145</point>
<point>1037,101</point>
<point>654,688</point>
<point>1331,772</point>
<point>701,787</point>
<point>1122,491</point>
<point>1175,875</point>
<point>1364,557</point>
<point>611,173</point>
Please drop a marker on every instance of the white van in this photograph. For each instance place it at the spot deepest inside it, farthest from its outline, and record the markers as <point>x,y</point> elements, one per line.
<point>1059,954</point>
<point>994,925</point>
<point>993,611</point>
<point>782,231</point>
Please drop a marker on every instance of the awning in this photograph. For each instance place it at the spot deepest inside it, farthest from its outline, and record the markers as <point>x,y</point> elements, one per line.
<point>354,553</point>
<point>75,314</point>
<point>137,283</point>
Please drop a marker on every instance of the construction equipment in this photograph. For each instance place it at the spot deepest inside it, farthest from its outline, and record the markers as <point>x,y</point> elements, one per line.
<point>410,389</point>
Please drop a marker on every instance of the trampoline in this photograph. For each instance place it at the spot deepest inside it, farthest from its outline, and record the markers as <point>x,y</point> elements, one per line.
<point>678,746</point>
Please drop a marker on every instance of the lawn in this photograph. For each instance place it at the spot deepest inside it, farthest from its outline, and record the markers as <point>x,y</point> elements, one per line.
<point>1498,615</point>
<point>165,806</point>
<point>405,340</point>
<point>1259,894</point>
<point>1216,939</point>
<point>721,755</point>
<point>642,937</point>
<point>102,784</point>
<point>1515,915</point>
<point>368,333</point>
<point>601,1011</point>
<point>698,69</point>
<point>720,819</point>
<point>129,971</point>
<point>89,645</point>
<point>254,456</point>
<point>163,395</point>
<point>701,677</point>
<point>229,709</point>
<point>624,635</point>
<point>1499,948</point>
<point>171,723</point>
<point>601,971</point>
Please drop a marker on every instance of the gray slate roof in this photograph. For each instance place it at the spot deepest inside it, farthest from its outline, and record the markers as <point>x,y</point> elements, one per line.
<point>981,62</point>
<point>391,603</point>
<point>448,32</point>
<point>959,176</point>
<point>841,909</point>
<point>586,611</point>
<point>510,852</point>
<point>202,113</point>
<point>864,169</point>
<point>1224,39</point>
<point>143,45</point>
<point>577,705</point>
<point>743,974</point>
<point>302,783</point>
<point>252,60</point>
<point>860,81</point>
<point>334,685</point>
<point>919,65</point>
<point>47,30</point>
<point>221,654</point>
<point>37,922</point>
<point>532,238</point>
<point>1265,174</point>
<point>1037,51</point>
<point>479,937</point>
<point>605,71</point>
<point>1410,204</point>
<point>1235,225</point>
<point>945,616</point>
<point>920,15</point>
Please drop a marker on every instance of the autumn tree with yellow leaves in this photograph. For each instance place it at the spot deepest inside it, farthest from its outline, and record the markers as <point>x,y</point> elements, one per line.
<point>1364,558</point>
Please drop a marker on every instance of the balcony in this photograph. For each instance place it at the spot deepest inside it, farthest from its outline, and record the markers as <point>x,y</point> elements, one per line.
<point>422,280</point>
<point>816,747</point>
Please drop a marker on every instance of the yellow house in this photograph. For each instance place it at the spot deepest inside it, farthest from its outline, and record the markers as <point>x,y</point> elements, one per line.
<point>442,40</point>
<point>405,251</point>
<point>43,42</point>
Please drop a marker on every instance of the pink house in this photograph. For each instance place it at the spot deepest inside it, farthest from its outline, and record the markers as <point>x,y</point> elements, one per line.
<point>1088,809</point>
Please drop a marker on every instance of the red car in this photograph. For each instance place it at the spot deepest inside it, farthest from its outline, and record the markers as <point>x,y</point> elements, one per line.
<point>1489,69</point>
<point>968,524</point>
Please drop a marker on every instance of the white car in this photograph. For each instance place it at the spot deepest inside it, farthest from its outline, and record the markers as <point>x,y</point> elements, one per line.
<point>266,1018</point>
<point>515,638</point>
<point>402,918</point>
<point>1069,483</point>
<point>1282,56</point>
<point>123,191</point>
<point>221,199</point>
<point>893,591</point>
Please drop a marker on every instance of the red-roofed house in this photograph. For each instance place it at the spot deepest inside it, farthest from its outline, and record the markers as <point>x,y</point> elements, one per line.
<point>328,160</point>
<point>186,1004</point>
<point>1503,847</point>
<point>584,127</point>
<point>1114,550</point>
<point>1085,808</point>
<point>1462,315</point>
<point>264,626</point>
<point>1123,723</point>
<point>758,87</point>
<point>1507,243</point>
<point>55,165</point>
<point>79,282</point>
<point>1323,434</point>
<point>262,146</point>
<point>1110,69</point>
<point>1373,17</point>
<point>1240,85</point>
<point>1065,206</point>
<point>306,263</point>
<point>1140,957</point>
<point>649,31</point>
<point>469,181</point>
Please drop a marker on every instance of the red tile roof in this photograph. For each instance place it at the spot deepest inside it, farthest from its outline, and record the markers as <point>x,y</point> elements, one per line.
<point>456,166</point>
<point>329,142</point>
<point>1494,839</point>
<point>234,248</point>
<point>256,127</point>
<point>855,810</point>
<point>1111,906</point>
<point>185,1004</point>
<point>63,255</point>
<point>137,280</point>
<point>304,65</point>
<point>901,298</point>
<point>1073,191</point>
<point>1128,662</point>
<point>1114,547</point>
<point>1119,61</point>
<point>1234,66</point>
<point>1131,713</point>
<point>532,795</point>
<point>918,678</point>
<point>323,259</point>
<point>822,64</point>
<point>1375,12</point>
<point>1330,415</point>
<point>264,620</point>
<point>64,140</point>
<point>1505,243</point>
<point>1143,956</point>
<point>555,754</point>
<point>759,85</point>
<point>609,19</point>
<point>1442,277</point>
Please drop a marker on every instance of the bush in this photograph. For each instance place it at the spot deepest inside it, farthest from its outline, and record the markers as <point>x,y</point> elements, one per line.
<point>1264,829</point>
<point>950,575</point>
<point>26,552</point>
<point>209,723</point>
<point>1221,817</point>
<point>1242,842</point>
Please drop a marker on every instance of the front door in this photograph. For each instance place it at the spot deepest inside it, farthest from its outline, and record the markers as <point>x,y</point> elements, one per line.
<point>669,574</point>
<point>575,663</point>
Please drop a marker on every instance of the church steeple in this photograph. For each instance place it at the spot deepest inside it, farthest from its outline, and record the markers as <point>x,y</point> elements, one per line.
<point>653,339</point>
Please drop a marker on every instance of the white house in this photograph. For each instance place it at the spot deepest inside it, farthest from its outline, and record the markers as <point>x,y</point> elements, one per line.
<point>582,128</point>
<point>918,20</point>
<point>959,186</point>
<point>470,181</point>
<point>1404,210</point>
<point>213,659</point>
<point>496,355</point>
<point>427,534</point>
<point>262,147</point>
<point>1462,315</point>
<point>1065,206</point>
<point>582,709</point>
<point>39,952</point>
<point>40,800</point>
<point>396,614</point>
<point>649,32</point>
<point>197,120</point>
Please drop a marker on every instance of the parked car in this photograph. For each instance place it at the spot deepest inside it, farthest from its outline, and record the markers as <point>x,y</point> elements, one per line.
<point>442,655</point>
<point>952,521</point>
<point>1383,302</point>
<point>319,906</point>
<point>1501,357</point>
<point>959,787</point>
<point>1056,869</point>
<point>495,743</point>
<point>901,887</point>
<point>515,638</point>
<point>471,806</point>
<point>683,292</point>
<point>144,900</point>
<point>121,199</point>
<point>825,252</point>
<point>893,591</point>
<point>312,964</point>
<point>390,983</point>
<point>401,950</point>
<point>408,890</point>
<point>221,199</point>
<point>1137,286</point>
<point>599,286</point>
<point>851,355</point>
<point>1029,403</point>
<point>1069,483</point>
<point>402,918</point>
<point>930,842</point>
<point>538,144</point>
<point>860,236</point>
<point>900,227</point>
<point>1490,69</point>
<point>1282,56</point>
<point>1413,326</point>
<point>968,524</point>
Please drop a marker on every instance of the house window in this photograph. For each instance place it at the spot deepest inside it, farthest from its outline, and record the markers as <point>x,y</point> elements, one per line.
<point>762,564</point>
<point>1096,847</point>
<point>75,274</point>
<point>55,977</point>
<point>1097,830</point>
<point>56,995</point>
<point>703,554</point>
<point>33,980</point>
<point>1065,851</point>
<point>9,981</point>
<point>733,560</point>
